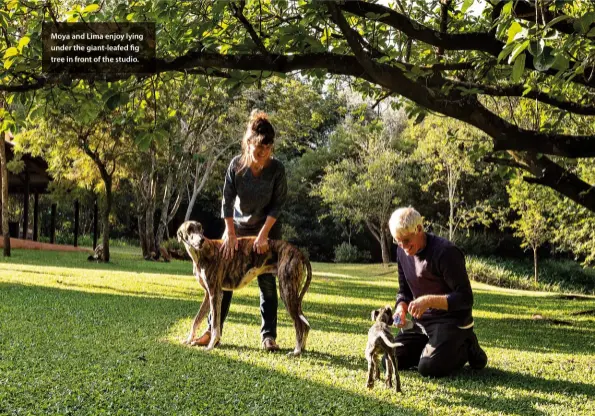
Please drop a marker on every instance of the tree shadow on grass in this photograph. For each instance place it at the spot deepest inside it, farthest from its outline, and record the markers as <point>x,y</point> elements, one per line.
<point>110,343</point>
<point>76,260</point>
<point>313,356</point>
<point>508,333</point>
<point>482,390</point>
<point>101,352</point>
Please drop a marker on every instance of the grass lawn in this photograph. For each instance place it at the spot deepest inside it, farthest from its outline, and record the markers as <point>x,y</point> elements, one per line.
<point>85,338</point>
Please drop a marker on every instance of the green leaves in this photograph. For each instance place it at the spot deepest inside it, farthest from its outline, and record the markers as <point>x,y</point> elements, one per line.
<point>544,61</point>
<point>91,8</point>
<point>583,24</point>
<point>517,69</point>
<point>518,49</point>
<point>24,41</point>
<point>114,100</point>
<point>11,52</point>
<point>466,5</point>
<point>514,29</point>
<point>536,47</point>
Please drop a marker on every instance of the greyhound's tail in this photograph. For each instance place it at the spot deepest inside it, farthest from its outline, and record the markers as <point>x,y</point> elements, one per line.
<point>308,279</point>
<point>389,342</point>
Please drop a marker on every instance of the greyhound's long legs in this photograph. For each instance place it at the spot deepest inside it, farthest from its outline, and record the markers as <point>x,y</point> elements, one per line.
<point>216,298</point>
<point>200,316</point>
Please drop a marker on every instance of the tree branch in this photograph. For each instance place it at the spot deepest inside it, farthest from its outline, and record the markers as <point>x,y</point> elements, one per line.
<point>444,6</point>
<point>524,10</point>
<point>425,91</point>
<point>503,162</point>
<point>475,41</point>
<point>479,41</point>
<point>237,11</point>
<point>353,39</point>
<point>556,177</point>
<point>518,90</point>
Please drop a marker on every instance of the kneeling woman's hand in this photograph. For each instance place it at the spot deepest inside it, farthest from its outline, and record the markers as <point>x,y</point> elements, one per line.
<point>261,244</point>
<point>230,244</point>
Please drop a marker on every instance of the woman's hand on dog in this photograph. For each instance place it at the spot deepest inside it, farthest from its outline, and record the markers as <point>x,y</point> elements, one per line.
<point>230,244</point>
<point>261,244</point>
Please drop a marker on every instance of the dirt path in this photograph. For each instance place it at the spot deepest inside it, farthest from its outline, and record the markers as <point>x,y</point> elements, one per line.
<point>36,245</point>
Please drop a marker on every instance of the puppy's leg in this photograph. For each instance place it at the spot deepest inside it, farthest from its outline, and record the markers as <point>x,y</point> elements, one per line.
<point>216,298</point>
<point>389,369</point>
<point>202,311</point>
<point>377,375</point>
<point>371,369</point>
<point>395,365</point>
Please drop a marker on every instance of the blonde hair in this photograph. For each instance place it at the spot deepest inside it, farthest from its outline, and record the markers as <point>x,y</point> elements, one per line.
<point>404,221</point>
<point>258,132</point>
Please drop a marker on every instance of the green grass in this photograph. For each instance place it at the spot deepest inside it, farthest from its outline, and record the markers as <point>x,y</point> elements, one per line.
<point>86,338</point>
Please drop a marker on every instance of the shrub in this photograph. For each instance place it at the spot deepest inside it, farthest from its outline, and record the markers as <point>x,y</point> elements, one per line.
<point>479,243</point>
<point>348,253</point>
<point>172,244</point>
<point>175,249</point>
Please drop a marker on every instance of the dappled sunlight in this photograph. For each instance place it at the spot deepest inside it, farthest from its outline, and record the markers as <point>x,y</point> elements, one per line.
<point>323,274</point>
<point>104,329</point>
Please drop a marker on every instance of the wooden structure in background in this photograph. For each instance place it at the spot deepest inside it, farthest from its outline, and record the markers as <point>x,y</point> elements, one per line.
<point>34,179</point>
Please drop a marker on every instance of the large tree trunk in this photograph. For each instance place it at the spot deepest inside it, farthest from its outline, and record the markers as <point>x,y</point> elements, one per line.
<point>167,194</point>
<point>142,234</point>
<point>200,177</point>
<point>535,262</point>
<point>384,245</point>
<point>150,214</point>
<point>380,234</point>
<point>4,198</point>
<point>150,227</point>
<point>105,218</point>
<point>146,194</point>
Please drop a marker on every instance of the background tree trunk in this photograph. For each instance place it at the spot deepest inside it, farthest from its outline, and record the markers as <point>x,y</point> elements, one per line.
<point>105,225</point>
<point>535,262</point>
<point>167,194</point>
<point>142,233</point>
<point>384,244</point>
<point>380,234</point>
<point>4,198</point>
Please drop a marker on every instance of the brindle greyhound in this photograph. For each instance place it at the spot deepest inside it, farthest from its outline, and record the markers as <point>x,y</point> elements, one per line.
<point>215,274</point>
<point>380,341</point>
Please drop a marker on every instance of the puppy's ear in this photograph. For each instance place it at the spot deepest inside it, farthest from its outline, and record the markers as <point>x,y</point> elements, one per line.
<point>199,227</point>
<point>375,314</point>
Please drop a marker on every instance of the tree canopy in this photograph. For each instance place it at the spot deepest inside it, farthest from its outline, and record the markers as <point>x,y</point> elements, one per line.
<point>439,55</point>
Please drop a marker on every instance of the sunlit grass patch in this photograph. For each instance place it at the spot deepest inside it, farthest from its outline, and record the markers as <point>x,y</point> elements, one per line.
<point>86,338</point>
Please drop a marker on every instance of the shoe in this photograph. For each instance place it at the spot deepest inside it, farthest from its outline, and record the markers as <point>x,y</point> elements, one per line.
<point>269,344</point>
<point>477,356</point>
<point>203,340</point>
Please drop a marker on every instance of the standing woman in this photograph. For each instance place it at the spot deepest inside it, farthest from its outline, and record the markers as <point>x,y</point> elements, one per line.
<point>254,192</point>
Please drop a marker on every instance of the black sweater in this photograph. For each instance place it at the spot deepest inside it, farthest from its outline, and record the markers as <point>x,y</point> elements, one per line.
<point>438,269</point>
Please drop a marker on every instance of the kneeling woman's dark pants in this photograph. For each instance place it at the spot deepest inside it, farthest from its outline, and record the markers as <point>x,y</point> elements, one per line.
<point>268,292</point>
<point>436,353</point>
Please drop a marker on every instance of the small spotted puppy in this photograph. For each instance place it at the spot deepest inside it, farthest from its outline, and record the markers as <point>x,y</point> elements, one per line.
<point>380,341</point>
